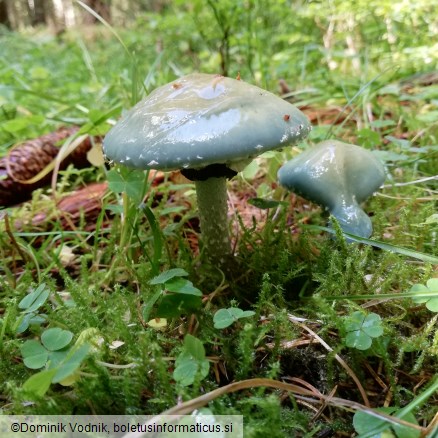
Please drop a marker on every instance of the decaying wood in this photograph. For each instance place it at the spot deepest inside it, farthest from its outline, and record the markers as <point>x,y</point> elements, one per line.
<point>79,208</point>
<point>84,204</point>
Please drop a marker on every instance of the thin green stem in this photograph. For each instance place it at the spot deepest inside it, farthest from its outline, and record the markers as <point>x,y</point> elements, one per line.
<point>414,404</point>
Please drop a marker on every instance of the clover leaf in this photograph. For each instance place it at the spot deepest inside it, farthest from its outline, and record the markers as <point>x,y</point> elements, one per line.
<point>364,423</point>
<point>34,354</point>
<point>35,299</point>
<point>29,306</point>
<point>123,180</point>
<point>191,363</point>
<point>56,339</point>
<point>168,275</point>
<point>177,295</point>
<point>60,360</point>
<point>223,318</point>
<point>431,288</point>
<point>361,329</point>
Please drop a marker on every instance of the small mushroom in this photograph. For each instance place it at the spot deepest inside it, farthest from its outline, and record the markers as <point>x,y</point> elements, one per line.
<point>209,127</point>
<point>338,176</point>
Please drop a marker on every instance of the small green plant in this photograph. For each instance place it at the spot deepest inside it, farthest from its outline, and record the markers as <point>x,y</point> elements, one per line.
<point>131,186</point>
<point>223,318</point>
<point>36,355</point>
<point>431,287</point>
<point>131,182</point>
<point>364,423</point>
<point>60,362</point>
<point>29,306</point>
<point>361,329</point>
<point>176,295</point>
<point>432,219</point>
<point>191,364</point>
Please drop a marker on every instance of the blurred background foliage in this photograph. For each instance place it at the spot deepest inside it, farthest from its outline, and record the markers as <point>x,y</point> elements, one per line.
<point>72,68</point>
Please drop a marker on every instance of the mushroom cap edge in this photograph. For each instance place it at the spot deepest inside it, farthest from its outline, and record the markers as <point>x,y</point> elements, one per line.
<point>332,172</point>
<point>202,119</point>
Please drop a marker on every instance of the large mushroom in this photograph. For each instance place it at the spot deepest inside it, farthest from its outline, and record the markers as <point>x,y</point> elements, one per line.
<point>338,176</point>
<point>209,127</point>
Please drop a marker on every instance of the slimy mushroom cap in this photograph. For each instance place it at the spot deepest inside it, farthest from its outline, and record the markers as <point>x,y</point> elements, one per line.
<point>338,176</point>
<point>200,120</point>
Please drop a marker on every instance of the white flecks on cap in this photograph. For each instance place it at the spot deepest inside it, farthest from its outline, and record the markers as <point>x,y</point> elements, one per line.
<point>206,119</point>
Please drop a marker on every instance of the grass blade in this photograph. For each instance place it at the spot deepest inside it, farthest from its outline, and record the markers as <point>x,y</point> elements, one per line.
<point>426,258</point>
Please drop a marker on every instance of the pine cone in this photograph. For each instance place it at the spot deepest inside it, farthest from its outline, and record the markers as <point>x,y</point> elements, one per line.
<point>30,158</point>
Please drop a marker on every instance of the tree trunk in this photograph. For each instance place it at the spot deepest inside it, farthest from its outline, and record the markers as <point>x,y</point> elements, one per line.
<point>101,7</point>
<point>19,14</point>
<point>38,12</point>
<point>4,15</point>
<point>55,15</point>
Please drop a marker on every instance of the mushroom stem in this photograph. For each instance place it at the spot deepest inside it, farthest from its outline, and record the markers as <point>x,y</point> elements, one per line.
<point>213,212</point>
<point>353,219</point>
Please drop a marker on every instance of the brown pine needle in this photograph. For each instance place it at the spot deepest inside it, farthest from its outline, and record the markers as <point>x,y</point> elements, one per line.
<point>298,392</point>
<point>337,357</point>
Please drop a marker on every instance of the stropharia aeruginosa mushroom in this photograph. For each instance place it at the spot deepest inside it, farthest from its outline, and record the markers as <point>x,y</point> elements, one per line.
<point>338,176</point>
<point>209,127</point>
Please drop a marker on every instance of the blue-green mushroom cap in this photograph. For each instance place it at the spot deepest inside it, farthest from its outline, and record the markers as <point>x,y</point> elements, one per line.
<point>202,119</point>
<point>338,176</point>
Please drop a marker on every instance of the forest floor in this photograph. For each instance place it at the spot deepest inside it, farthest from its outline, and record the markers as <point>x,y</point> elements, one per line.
<point>108,307</point>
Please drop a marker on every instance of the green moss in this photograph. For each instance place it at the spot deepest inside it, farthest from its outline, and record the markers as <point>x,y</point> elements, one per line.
<point>284,265</point>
